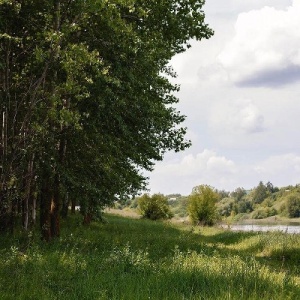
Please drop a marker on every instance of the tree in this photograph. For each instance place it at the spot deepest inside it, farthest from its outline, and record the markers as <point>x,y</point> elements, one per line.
<point>86,101</point>
<point>260,193</point>
<point>239,194</point>
<point>154,207</point>
<point>243,206</point>
<point>222,194</point>
<point>202,205</point>
<point>293,205</point>
<point>226,206</point>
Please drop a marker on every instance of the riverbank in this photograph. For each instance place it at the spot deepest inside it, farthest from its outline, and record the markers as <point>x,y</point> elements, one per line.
<point>126,258</point>
<point>274,220</point>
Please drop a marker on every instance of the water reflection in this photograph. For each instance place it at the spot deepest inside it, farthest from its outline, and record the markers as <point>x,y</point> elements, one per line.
<point>264,228</point>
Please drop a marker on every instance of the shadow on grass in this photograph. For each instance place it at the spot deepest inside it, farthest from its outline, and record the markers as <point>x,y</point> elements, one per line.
<point>136,259</point>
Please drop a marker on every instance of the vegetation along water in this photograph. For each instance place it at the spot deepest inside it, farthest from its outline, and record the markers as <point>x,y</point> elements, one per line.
<point>125,258</point>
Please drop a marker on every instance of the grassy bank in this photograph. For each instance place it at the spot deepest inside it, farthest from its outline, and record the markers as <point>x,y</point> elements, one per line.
<point>140,259</point>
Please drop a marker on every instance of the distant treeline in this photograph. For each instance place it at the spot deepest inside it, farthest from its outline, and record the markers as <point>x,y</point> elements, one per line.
<point>261,202</point>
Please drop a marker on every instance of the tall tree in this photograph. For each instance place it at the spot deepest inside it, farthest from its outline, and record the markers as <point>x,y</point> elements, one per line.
<point>260,193</point>
<point>86,103</point>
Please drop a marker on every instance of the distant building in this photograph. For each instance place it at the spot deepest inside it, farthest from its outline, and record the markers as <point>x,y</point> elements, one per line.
<point>172,199</point>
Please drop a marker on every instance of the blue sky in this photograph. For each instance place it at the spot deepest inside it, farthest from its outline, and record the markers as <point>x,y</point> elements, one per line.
<point>240,91</point>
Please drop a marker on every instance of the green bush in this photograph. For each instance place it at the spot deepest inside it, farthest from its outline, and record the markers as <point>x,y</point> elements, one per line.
<point>155,207</point>
<point>225,206</point>
<point>202,205</point>
<point>263,213</point>
<point>293,205</point>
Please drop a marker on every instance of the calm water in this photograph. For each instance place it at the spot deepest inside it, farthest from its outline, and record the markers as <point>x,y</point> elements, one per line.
<point>282,228</point>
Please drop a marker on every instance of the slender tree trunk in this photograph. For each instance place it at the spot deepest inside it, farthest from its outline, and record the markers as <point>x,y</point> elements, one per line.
<point>25,213</point>
<point>45,209</point>
<point>27,200</point>
<point>55,208</point>
<point>33,213</point>
<point>3,211</point>
<point>65,206</point>
<point>73,206</point>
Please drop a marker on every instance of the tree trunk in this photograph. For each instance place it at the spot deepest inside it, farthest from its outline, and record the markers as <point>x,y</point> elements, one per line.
<point>73,206</point>
<point>33,213</point>
<point>65,206</point>
<point>45,219</point>
<point>27,200</point>
<point>87,219</point>
<point>55,209</point>
<point>4,216</point>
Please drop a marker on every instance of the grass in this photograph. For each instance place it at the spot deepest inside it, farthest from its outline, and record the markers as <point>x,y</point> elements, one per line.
<point>139,259</point>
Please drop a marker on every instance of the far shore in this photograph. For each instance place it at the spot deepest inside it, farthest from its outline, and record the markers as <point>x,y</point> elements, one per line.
<point>274,220</point>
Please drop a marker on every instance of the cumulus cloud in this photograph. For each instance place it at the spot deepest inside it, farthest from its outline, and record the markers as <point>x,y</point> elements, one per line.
<point>280,164</point>
<point>206,167</point>
<point>212,73</point>
<point>207,160</point>
<point>237,117</point>
<point>281,170</point>
<point>265,50</point>
<point>209,167</point>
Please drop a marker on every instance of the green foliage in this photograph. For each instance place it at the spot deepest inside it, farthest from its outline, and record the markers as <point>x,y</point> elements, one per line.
<point>243,206</point>
<point>225,206</point>
<point>260,193</point>
<point>154,207</point>
<point>293,205</point>
<point>179,206</point>
<point>262,213</point>
<point>202,205</point>
<point>87,99</point>
<point>238,194</point>
<point>222,194</point>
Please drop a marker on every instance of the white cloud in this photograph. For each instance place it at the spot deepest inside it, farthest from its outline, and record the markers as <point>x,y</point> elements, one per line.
<point>210,168</point>
<point>280,164</point>
<point>206,167</point>
<point>254,139</point>
<point>265,50</point>
<point>281,170</point>
<point>238,117</point>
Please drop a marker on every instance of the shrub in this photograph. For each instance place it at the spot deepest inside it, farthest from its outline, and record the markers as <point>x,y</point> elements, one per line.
<point>225,206</point>
<point>263,213</point>
<point>202,205</point>
<point>243,206</point>
<point>293,205</point>
<point>259,214</point>
<point>155,207</point>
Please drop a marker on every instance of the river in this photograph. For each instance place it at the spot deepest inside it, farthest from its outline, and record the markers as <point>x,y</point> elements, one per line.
<point>292,229</point>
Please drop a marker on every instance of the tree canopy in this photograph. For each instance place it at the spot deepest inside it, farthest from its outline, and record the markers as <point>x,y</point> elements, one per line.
<point>86,102</point>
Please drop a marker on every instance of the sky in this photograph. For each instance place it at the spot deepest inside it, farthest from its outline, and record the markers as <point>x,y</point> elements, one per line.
<point>240,92</point>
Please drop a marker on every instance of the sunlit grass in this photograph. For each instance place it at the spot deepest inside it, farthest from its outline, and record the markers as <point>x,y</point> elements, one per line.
<point>140,259</point>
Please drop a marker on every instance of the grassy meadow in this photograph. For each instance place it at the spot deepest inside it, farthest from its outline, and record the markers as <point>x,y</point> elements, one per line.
<point>126,258</point>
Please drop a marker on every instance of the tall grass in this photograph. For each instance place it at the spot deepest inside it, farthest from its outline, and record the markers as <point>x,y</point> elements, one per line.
<point>140,259</point>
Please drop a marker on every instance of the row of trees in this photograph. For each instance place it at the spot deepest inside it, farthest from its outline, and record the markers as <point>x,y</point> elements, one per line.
<point>86,103</point>
<point>205,205</point>
<point>263,201</point>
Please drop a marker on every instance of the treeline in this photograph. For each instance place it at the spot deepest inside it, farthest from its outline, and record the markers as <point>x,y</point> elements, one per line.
<point>86,103</point>
<point>263,201</point>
